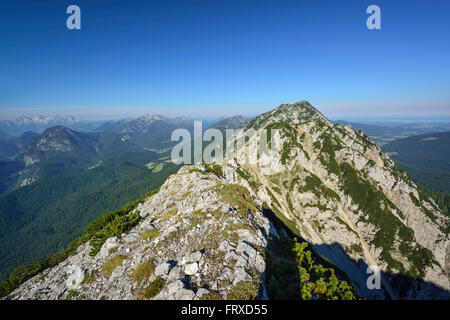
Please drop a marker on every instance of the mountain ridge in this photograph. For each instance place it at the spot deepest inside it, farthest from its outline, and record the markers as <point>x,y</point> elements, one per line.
<point>201,236</point>
<point>233,122</point>
<point>335,163</point>
<point>329,184</point>
<point>40,123</point>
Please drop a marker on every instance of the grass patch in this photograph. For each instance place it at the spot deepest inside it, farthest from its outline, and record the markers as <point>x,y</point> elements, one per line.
<point>185,195</point>
<point>149,235</point>
<point>72,293</point>
<point>244,290</point>
<point>237,196</point>
<point>214,168</point>
<point>90,277</point>
<point>143,271</point>
<point>212,295</point>
<point>169,214</point>
<point>109,266</point>
<point>196,170</point>
<point>150,165</point>
<point>154,288</point>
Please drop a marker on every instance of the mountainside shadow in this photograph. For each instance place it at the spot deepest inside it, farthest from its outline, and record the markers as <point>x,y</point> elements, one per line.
<point>403,287</point>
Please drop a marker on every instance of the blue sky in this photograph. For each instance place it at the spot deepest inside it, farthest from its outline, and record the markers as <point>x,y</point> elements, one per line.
<point>204,58</point>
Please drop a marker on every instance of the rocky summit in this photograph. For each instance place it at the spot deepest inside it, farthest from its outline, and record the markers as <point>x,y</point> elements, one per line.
<point>226,230</point>
<point>341,193</point>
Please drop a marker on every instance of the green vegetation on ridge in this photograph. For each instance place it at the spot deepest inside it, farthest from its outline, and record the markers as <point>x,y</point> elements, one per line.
<point>295,272</point>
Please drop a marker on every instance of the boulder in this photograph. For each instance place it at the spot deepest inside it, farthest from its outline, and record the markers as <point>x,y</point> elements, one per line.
<point>191,269</point>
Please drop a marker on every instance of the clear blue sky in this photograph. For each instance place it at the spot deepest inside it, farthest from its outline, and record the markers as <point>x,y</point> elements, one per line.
<point>208,57</point>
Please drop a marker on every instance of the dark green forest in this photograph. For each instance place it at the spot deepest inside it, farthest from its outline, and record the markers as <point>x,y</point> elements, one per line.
<point>425,158</point>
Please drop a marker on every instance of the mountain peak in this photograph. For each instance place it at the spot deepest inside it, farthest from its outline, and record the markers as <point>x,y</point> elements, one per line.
<point>294,113</point>
<point>153,117</point>
<point>297,112</point>
<point>37,123</point>
<point>56,139</point>
<point>58,132</point>
<point>233,122</point>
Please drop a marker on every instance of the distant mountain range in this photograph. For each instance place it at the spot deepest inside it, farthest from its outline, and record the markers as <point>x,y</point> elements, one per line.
<point>10,146</point>
<point>148,131</point>
<point>384,132</point>
<point>38,124</point>
<point>233,122</point>
<point>4,135</point>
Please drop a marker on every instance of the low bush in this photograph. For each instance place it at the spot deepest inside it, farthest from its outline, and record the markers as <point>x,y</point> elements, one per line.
<point>143,271</point>
<point>154,288</point>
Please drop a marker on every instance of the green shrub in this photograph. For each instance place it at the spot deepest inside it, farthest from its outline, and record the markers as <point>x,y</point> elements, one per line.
<point>295,272</point>
<point>154,288</point>
<point>143,271</point>
<point>244,290</point>
<point>72,293</point>
<point>212,295</point>
<point>90,277</point>
<point>315,185</point>
<point>317,280</point>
